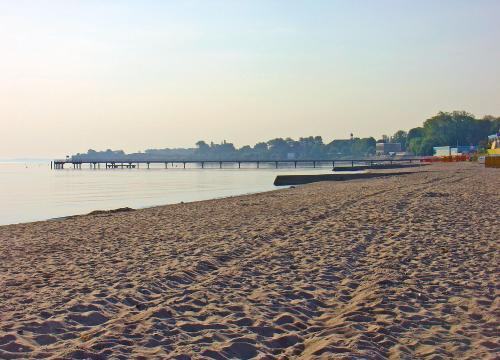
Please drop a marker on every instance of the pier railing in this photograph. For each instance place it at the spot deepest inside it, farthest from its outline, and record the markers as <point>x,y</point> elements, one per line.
<point>132,164</point>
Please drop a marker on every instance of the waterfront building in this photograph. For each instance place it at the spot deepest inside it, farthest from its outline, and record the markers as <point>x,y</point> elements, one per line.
<point>387,148</point>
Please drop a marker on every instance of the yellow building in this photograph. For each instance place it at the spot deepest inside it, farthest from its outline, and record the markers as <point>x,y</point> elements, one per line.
<point>493,157</point>
<point>494,140</point>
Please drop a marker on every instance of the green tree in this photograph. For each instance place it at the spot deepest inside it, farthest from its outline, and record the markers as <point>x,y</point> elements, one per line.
<point>278,148</point>
<point>400,136</point>
<point>414,145</point>
<point>202,147</point>
<point>260,148</point>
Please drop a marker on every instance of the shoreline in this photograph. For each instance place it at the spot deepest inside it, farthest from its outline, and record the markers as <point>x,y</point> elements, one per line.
<point>393,267</point>
<point>66,217</point>
<point>276,188</point>
<point>53,195</point>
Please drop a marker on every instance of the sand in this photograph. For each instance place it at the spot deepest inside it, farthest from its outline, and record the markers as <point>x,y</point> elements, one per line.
<point>403,267</point>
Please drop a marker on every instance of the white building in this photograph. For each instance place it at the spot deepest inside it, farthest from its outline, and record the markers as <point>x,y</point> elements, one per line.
<point>387,148</point>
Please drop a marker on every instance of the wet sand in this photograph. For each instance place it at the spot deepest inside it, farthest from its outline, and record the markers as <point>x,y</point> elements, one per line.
<point>402,267</point>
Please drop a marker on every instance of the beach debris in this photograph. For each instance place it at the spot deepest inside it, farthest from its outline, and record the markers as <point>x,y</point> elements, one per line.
<point>112,211</point>
<point>436,194</point>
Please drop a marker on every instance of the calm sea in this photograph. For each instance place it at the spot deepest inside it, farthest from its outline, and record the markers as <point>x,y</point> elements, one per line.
<point>30,191</point>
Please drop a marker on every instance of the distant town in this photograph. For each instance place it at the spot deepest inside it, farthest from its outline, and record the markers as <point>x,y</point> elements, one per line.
<point>446,133</point>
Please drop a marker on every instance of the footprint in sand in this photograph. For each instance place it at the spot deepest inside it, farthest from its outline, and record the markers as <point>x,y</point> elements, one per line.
<point>240,350</point>
<point>91,318</point>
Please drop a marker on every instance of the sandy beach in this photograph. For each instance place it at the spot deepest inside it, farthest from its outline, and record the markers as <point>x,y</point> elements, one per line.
<point>402,267</point>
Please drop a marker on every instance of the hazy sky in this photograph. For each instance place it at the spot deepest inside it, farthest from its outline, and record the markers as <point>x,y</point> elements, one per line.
<point>143,74</point>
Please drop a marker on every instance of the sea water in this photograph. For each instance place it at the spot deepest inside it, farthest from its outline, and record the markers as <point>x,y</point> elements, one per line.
<point>31,191</point>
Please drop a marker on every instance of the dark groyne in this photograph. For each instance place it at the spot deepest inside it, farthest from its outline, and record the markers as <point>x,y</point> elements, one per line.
<point>282,180</point>
<point>375,167</point>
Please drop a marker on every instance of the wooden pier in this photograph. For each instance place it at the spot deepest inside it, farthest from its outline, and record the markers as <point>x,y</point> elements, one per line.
<point>120,164</point>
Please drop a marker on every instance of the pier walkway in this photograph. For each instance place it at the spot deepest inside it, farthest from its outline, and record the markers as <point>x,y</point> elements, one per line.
<point>127,164</point>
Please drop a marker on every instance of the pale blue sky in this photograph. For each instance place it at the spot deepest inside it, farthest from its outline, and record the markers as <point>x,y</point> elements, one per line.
<point>141,74</point>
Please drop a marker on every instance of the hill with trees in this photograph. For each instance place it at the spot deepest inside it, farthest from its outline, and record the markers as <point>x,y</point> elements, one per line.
<point>311,147</point>
<point>448,128</point>
<point>445,128</point>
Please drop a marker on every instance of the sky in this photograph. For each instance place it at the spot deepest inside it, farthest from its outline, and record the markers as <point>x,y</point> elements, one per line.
<point>136,75</point>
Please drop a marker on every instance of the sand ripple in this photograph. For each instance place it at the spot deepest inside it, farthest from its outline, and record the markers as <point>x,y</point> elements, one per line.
<point>403,267</point>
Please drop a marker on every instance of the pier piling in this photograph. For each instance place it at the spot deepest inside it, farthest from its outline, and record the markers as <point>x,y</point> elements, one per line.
<point>120,164</point>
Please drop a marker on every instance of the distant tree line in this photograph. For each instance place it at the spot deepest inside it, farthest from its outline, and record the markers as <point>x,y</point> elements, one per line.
<point>311,147</point>
<point>445,128</point>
